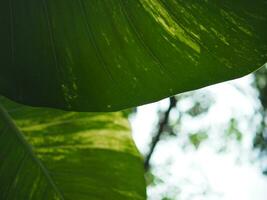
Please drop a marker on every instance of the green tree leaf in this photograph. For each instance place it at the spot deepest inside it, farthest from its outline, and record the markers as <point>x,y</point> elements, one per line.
<point>51,154</point>
<point>112,54</point>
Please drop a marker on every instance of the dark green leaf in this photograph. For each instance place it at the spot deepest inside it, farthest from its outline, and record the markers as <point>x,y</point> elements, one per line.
<point>104,55</point>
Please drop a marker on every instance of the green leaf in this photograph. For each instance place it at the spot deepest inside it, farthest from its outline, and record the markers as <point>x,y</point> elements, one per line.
<point>112,54</point>
<point>67,155</point>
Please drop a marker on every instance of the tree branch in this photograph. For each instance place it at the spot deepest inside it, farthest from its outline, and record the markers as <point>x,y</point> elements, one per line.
<point>162,124</point>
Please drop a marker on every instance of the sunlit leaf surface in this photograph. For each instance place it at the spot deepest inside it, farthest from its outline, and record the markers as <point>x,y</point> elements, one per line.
<point>67,155</point>
<point>103,55</point>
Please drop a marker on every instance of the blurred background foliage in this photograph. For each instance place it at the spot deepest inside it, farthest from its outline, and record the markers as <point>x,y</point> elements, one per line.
<point>186,120</point>
<point>260,84</point>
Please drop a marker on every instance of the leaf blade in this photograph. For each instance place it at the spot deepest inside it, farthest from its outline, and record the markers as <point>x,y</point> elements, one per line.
<point>109,55</point>
<point>67,162</point>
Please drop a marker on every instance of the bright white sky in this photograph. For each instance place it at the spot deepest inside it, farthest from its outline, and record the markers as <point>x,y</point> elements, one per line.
<point>205,170</point>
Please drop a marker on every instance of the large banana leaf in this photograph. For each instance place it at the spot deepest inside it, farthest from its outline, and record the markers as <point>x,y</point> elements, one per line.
<point>56,155</point>
<point>103,55</point>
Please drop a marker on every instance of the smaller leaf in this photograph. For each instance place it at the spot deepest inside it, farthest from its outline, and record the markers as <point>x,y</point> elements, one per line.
<point>66,155</point>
